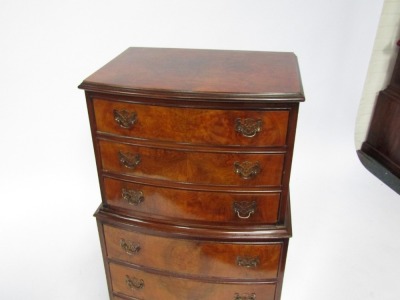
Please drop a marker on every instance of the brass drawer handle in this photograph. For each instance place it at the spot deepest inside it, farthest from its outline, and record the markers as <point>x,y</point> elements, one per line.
<point>251,296</point>
<point>246,169</point>
<point>129,247</point>
<point>133,197</point>
<point>134,283</point>
<point>125,119</point>
<point>244,209</point>
<point>129,160</point>
<point>247,262</point>
<point>248,127</point>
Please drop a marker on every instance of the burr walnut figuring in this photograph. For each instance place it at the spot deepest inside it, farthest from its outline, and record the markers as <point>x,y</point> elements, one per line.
<point>193,151</point>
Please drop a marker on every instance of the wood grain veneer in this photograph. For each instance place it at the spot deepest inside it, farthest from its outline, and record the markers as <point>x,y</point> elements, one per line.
<point>194,151</point>
<point>178,288</point>
<point>197,258</point>
<point>191,205</point>
<point>186,125</point>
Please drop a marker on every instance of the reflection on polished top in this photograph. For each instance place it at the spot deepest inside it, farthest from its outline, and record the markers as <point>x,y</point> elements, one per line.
<point>194,72</point>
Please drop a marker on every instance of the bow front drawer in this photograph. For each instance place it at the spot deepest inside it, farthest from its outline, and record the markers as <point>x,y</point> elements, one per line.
<point>214,168</point>
<point>179,204</point>
<point>143,285</point>
<point>189,125</point>
<point>198,258</point>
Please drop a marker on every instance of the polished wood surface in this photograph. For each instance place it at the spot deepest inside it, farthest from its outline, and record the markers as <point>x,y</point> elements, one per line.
<point>382,142</point>
<point>167,287</point>
<point>199,73</point>
<point>198,258</point>
<point>176,204</point>
<point>186,125</point>
<point>241,233</point>
<point>193,167</point>
<point>193,151</point>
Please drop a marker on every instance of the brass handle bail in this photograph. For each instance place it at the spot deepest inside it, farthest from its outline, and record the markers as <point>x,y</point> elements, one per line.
<point>244,209</point>
<point>129,160</point>
<point>124,118</point>
<point>248,127</point>
<point>133,197</point>
<point>129,247</point>
<point>247,169</point>
<point>134,283</point>
<point>248,262</point>
<point>251,296</point>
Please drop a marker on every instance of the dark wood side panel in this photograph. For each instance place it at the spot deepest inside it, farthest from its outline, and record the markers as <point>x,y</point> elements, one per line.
<point>288,160</point>
<point>104,253</point>
<point>383,140</point>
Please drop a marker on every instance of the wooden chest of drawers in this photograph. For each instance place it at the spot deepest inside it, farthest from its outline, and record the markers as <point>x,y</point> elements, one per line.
<point>194,150</point>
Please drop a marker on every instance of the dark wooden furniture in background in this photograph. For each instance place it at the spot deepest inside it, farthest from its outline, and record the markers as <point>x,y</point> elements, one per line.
<point>194,151</point>
<point>383,139</point>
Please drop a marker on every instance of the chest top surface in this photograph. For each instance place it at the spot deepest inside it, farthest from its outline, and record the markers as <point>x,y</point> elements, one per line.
<point>194,73</point>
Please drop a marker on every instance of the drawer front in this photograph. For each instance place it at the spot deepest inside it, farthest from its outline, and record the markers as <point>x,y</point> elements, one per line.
<point>197,126</point>
<point>142,285</point>
<point>193,167</point>
<point>177,204</point>
<point>198,258</point>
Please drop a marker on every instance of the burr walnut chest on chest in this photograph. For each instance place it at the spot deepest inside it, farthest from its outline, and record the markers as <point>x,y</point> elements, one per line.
<point>193,152</point>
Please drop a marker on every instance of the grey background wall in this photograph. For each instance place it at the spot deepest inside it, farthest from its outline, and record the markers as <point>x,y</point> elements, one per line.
<point>345,221</point>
